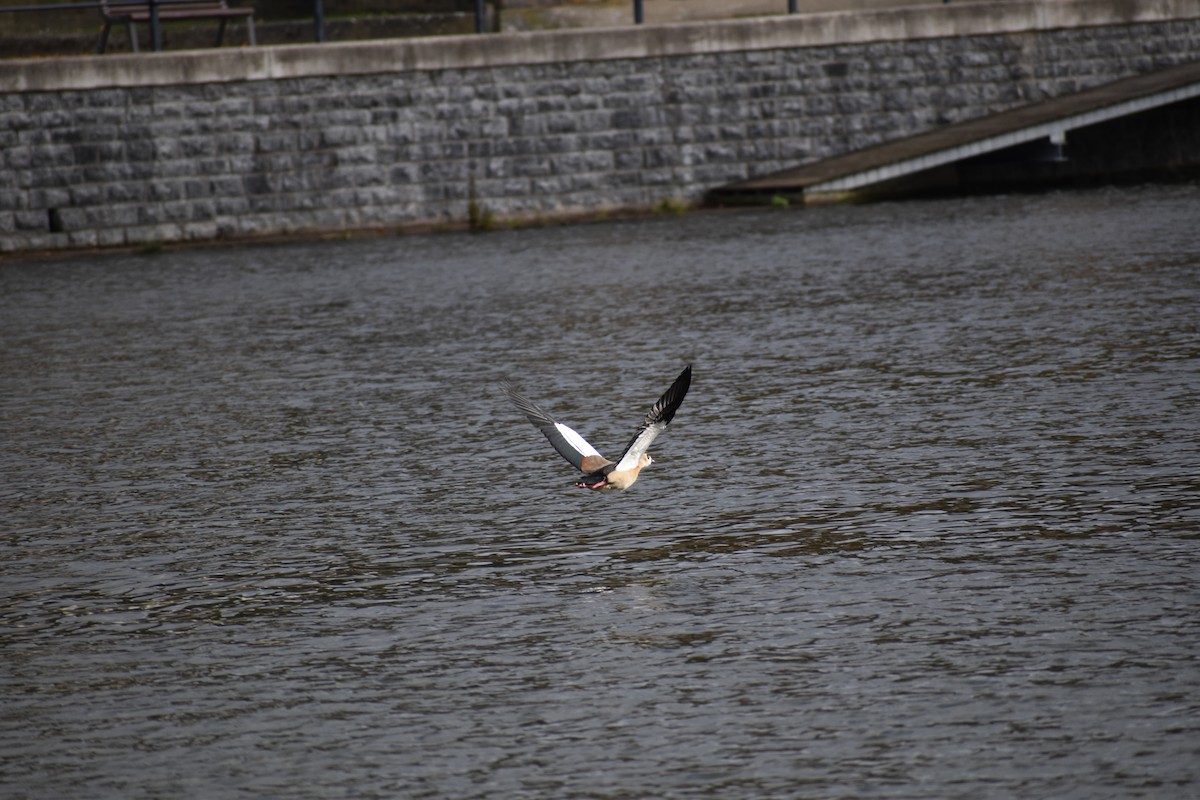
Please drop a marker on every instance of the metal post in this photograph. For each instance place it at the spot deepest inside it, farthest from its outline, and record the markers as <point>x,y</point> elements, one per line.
<point>639,14</point>
<point>479,16</point>
<point>155,27</point>
<point>791,6</point>
<point>318,20</point>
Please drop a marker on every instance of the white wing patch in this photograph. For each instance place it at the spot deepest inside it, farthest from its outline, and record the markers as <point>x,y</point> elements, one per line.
<point>640,445</point>
<point>576,441</point>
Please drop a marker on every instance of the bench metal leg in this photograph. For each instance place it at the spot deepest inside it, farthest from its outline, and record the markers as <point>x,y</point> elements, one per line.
<point>131,27</point>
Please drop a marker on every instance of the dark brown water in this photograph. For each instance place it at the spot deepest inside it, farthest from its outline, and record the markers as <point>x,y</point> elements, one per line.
<point>925,527</point>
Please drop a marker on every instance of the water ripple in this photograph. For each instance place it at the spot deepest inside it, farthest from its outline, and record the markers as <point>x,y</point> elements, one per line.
<point>925,525</point>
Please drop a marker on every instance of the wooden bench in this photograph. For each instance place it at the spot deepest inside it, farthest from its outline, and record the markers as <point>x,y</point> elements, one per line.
<point>129,14</point>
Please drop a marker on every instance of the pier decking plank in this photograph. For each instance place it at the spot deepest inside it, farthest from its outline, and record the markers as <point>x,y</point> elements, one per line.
<point>961,140</point>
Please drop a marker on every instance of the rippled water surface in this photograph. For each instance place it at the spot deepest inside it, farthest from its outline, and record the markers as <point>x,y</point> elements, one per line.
<point>925,527</point>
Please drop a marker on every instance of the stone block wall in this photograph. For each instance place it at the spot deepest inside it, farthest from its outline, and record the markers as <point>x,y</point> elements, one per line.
<point>143,164</point>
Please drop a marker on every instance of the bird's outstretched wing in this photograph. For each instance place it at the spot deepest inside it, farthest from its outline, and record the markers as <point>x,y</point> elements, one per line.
<point>656,421</point>
<point>569,444</point>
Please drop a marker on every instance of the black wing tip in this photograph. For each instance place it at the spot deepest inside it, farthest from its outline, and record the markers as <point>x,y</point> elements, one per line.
<point>523,404</point>
<point>664,410</point>
<point>682,383</point>
<point>515,396</point>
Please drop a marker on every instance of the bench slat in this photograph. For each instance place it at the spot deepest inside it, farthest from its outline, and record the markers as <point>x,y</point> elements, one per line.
<point>141,15</point>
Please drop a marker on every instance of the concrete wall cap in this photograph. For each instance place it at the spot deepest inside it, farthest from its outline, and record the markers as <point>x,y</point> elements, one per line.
<point>570,46</point>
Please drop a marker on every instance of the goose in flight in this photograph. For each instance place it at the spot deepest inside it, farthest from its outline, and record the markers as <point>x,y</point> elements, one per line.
<point>598,472</point>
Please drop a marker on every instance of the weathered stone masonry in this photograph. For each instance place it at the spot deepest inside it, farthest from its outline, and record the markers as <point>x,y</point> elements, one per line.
<point>118,165</point>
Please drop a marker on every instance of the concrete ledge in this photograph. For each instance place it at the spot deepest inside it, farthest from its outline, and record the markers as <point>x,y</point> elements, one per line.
<point>465,52</point>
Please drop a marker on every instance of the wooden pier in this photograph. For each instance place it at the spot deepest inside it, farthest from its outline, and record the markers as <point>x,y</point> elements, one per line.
<point>862,173</point>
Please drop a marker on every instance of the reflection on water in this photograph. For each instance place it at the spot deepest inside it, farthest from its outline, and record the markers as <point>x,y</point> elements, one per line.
<point>924,526</point>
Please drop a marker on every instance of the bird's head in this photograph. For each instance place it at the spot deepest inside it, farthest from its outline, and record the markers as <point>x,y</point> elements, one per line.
<point>645,460</point>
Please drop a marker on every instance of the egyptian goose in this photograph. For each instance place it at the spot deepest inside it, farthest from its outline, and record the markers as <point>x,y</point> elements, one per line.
<point>599,473</point>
